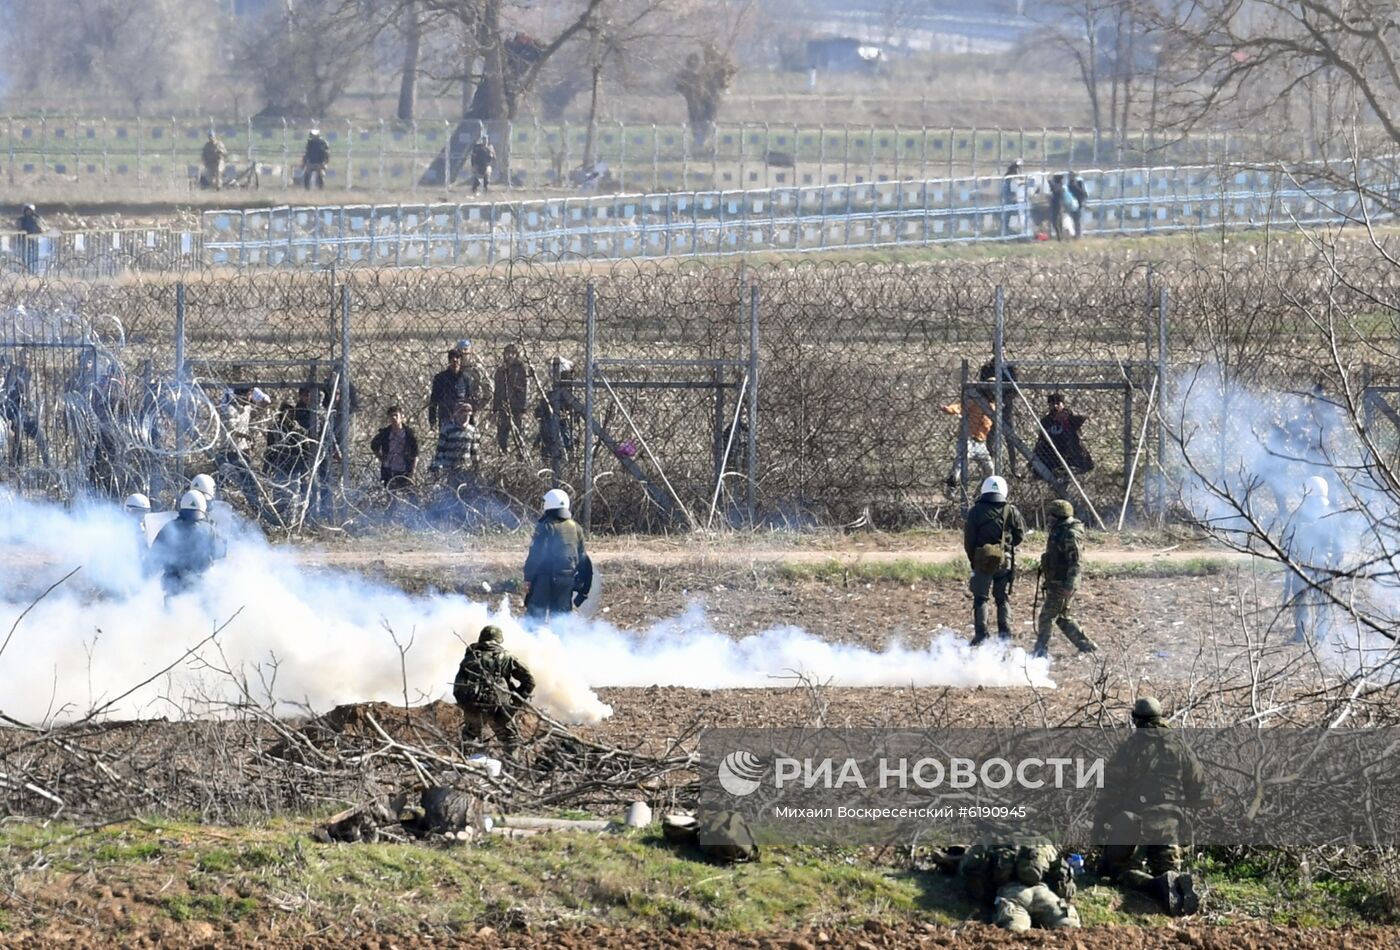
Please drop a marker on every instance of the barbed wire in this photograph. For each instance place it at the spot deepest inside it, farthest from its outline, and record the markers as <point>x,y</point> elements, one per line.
<point>854,361</point>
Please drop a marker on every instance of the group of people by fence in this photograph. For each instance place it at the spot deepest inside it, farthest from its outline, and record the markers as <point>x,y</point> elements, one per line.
<point>1049,207</point>
<point>124,433</point>
<point>1059,447</point>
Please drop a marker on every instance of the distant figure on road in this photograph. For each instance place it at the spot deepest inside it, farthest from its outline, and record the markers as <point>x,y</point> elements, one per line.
<point>315,159</point>
<point>1011,185</point>
<point>33,227</point>
<point>213,155</point>
<point>1080,193</point>
<point>483,156</point>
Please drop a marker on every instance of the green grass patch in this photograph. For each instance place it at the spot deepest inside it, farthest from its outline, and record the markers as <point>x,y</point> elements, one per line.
<point>634,879</point>
<point>118,852</point>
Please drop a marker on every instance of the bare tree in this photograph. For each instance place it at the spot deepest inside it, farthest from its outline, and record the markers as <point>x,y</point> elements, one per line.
<point>145,52</point>
<point>703,82</point>
<point>1109,44</point>
<point>1262,62</point>
<point>302,55</point>
<point>412,28</point>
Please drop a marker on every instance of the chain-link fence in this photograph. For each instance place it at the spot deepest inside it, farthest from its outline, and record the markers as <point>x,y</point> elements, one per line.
<point>836,373</point>
<point>379,155</point>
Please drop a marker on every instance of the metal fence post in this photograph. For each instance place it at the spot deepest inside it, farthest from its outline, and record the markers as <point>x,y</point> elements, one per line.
<point>622,157</point>
<point>655,160</point>
<point>590,334</point>
<point>180,374</point>
<point>342,413</point>
<point>753,405</point>
<point>685,156</point>
<point>1163,306</point>
<point>999,361</point>
<point>140,146</point>
<point>349,155</point>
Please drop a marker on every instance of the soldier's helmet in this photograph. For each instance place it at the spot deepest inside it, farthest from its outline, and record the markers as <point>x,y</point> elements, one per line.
<point>490,634</point>
<point>1060,509</point>
<point>1147,709</point>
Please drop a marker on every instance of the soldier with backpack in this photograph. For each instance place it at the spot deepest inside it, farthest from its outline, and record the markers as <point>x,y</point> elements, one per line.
<point>490,687</point>
<point>1025,880</point>
<point>1059,571</point>
<point>991,533</point>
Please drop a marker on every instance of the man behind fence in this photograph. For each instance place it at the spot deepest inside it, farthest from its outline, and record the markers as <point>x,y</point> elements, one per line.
<point>396,448</point>
<point>213,156</point>
<point>236,456</point>
<point>508,402</point>
<point>33,227</point>
<point>979,426</point>
<point>483,156</point>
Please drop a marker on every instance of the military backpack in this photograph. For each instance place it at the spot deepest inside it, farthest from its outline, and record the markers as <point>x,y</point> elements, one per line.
<point>481,680</point>
<point>724,836</point>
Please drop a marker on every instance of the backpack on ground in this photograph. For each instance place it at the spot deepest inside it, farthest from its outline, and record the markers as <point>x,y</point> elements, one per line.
<point>724,837</point>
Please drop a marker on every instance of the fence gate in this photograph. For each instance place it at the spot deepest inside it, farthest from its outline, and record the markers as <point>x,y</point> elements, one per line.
<point>704,410</point>
<point>63,408</point>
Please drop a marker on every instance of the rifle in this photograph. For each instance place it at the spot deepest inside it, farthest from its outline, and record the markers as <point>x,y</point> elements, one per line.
<point>1039,587</point>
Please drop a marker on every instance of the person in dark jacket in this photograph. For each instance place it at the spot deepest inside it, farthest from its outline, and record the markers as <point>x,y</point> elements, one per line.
<point>508,402</point>
<point>1062,427</point>
<point>450,387</point>
<point>396,448</point>
<point>557,570</point>
<point>490,688</point>
<point>314,160</point>
<point>1057,206</point>
<point>992,531</point>
<point>186,547</point>
<point>33,227</point>
<point>483,156</point>
<point>1162,778</point>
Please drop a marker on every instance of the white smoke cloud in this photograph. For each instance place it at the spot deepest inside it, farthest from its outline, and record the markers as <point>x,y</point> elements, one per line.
<point>322,637</point>
<point>1248,454</point>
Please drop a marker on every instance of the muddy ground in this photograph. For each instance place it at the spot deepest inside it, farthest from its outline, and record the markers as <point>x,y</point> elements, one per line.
<point>1160,630</point>
<point>875,936</point>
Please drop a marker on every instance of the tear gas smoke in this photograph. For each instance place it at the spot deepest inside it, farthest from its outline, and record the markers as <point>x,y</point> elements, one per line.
<point>318,638</point>
<point>1286,476</point>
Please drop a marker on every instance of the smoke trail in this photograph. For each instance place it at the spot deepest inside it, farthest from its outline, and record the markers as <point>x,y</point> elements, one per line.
<point>319,638</point>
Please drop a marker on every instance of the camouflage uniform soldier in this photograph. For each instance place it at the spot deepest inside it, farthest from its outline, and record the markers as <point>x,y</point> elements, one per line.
<point>490,687</point>
<point>1026,881</point>
<point>1059,568</point>
<point>1155,768</point>
<point>213,156</point>
<point>991,533</point>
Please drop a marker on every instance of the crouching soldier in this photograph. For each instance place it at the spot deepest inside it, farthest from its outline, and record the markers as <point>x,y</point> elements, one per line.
<point>1059,571</point>
<point>1161,778</point>
<point>1025,881</point>
<point>491,686</point>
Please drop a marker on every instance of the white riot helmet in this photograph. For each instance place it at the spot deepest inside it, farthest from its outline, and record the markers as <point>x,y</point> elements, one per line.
<point>556,499</point>
<point>204,484</point>
<point>138,504</point>
<point>1316,487</point>
<point>193,501</point>
<point>995,486</point>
